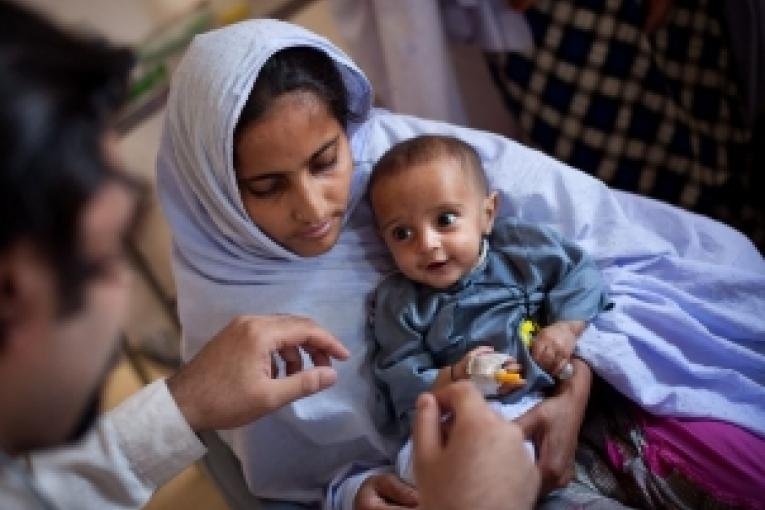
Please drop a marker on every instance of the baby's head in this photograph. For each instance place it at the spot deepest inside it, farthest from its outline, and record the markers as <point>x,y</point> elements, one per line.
<point>432,206</point>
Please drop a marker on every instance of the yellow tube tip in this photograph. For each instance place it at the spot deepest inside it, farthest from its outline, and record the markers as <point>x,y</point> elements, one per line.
<point>505,377</point>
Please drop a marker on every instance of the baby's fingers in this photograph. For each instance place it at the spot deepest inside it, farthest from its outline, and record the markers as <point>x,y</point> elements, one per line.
<point>544,355</point>
<point>511,366</point>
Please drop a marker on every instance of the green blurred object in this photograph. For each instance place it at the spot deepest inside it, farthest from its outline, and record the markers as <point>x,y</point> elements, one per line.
<point>156,58</point>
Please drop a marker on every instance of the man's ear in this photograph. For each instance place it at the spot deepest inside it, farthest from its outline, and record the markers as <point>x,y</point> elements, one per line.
<point>490,207</point>
<point>8,295</point>
<point>21,282</point>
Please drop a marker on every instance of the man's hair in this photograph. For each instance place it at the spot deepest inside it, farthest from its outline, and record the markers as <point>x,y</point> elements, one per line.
<point>425,149</point>
<point>57,93</point>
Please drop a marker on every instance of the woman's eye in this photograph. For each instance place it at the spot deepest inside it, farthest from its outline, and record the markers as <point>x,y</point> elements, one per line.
<point>401,233</point>
<point>263,187</point>
<point>325,163</point>
<point>446,219</point>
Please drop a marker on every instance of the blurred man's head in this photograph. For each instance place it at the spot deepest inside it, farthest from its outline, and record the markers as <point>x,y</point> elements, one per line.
<point>65,209</point>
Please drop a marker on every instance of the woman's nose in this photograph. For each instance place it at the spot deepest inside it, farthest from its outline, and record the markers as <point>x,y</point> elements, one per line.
<point>309,203</point>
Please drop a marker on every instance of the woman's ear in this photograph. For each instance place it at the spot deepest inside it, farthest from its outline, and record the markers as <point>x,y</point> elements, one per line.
<point>490,206</point>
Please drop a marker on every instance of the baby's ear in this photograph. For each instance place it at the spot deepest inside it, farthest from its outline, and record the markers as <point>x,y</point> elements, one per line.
<point>490,206</point>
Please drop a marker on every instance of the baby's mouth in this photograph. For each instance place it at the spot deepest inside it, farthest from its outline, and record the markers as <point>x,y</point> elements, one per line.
<point>435,266</point>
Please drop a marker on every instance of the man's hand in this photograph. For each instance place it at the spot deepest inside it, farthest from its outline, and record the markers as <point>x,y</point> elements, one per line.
<point>471,459</point>
<point>385,492</point>
<point>232,381</point>
<point>554,424</point>
<point>553,345</point>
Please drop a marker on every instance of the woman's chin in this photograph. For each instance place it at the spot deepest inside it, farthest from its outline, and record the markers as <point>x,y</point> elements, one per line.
<point>314,247</point>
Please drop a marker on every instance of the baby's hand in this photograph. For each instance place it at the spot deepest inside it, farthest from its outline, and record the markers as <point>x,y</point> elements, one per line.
<point>460,369</point>
<point>554,345</point>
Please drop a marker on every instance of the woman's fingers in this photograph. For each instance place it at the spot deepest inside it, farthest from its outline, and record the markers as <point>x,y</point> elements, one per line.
<point>394,490</point>
<point>385,492</point>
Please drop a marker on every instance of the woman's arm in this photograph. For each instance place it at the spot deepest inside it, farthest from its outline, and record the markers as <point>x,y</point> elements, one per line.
<point>554,425</point>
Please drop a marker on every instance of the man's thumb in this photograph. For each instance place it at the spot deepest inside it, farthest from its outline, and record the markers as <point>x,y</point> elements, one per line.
<point>527,424</point>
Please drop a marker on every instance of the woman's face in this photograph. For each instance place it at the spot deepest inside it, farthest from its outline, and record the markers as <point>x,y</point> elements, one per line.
<point>294,170</point>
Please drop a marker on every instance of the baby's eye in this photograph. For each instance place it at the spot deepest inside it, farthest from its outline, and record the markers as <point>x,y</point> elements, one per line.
<point>446,219</point>
<point>401,233</point>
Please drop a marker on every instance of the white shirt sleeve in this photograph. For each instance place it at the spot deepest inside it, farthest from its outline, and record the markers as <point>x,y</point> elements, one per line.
<point>135,448</point>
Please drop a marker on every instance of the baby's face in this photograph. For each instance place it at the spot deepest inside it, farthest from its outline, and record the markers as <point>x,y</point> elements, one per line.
<point>432,217</point>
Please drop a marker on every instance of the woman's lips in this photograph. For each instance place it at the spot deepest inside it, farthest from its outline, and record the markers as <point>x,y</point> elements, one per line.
<point>317,231</point>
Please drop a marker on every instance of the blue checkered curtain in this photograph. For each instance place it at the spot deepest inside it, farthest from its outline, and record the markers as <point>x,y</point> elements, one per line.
<point>657,114</point>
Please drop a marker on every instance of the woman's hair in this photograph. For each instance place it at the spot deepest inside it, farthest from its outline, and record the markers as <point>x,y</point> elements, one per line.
<point>294,69</point>
<point>57,93</point>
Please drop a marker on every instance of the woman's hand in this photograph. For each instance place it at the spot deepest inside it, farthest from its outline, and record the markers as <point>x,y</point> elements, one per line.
<point>553,346</point>
<point>385,491</point>
<point>231,381</point>
<point>554,424</point>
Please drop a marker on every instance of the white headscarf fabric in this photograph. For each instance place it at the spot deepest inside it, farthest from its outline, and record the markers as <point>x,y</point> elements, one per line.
<point>686,337</point>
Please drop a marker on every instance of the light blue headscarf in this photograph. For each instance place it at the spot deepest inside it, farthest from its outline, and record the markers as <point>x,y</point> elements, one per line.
<point>686,337</point>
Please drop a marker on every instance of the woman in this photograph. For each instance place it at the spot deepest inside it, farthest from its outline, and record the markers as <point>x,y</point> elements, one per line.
<point>263,184</point>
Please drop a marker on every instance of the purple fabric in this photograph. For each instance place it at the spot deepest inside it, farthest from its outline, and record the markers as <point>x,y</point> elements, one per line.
<point>725,460</point>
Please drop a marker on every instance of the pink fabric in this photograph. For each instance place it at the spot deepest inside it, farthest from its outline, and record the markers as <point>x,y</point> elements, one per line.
<point>725,460</point>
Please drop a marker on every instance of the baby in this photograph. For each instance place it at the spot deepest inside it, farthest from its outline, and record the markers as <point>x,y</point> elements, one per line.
<point>469,286</point>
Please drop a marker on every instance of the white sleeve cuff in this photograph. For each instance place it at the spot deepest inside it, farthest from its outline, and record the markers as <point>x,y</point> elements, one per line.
<point>154,435</point>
